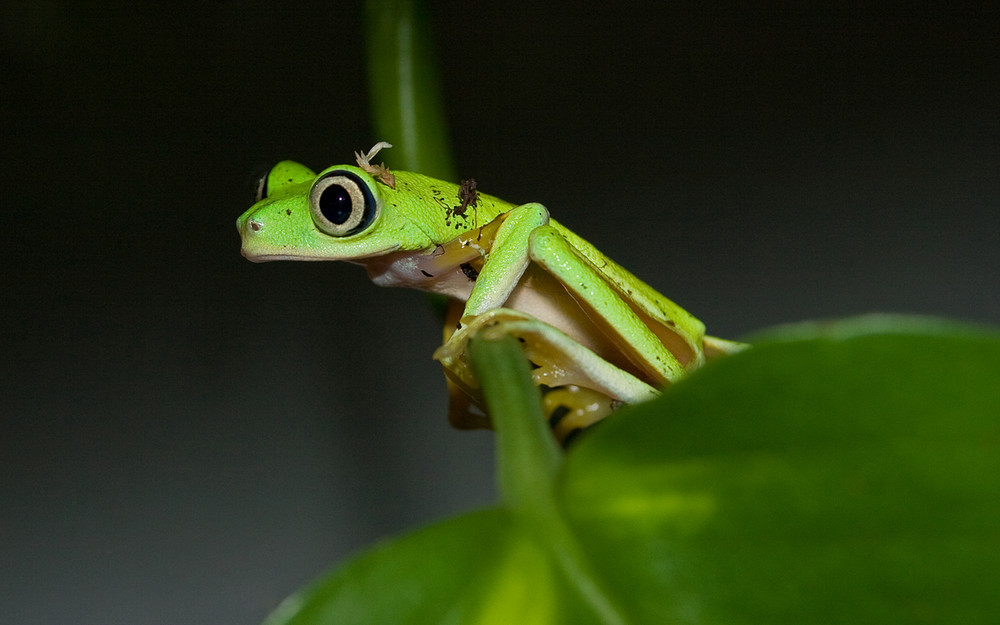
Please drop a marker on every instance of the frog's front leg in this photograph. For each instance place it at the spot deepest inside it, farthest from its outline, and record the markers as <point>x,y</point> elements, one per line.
<point>506,260</point>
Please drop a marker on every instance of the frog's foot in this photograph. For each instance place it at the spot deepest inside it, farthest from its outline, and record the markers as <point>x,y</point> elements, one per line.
<point>579,386</point>
<point>571,409</point>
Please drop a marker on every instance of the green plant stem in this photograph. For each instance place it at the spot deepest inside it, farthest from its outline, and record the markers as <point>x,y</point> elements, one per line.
<point>528,457</point>
<point>406,103</point>
<point>528,460</point>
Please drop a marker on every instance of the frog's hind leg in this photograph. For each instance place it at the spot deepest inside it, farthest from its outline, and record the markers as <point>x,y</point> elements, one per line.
<point>640,345</point>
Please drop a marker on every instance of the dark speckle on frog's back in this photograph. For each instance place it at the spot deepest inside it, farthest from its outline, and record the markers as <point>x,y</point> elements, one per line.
<point>468,197</point>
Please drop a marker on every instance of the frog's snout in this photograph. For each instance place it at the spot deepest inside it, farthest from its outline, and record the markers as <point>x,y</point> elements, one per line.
<point>248,226</point>
<point>247,223</point>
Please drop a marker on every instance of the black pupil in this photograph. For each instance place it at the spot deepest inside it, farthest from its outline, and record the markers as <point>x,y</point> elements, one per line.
<point>335,204</point>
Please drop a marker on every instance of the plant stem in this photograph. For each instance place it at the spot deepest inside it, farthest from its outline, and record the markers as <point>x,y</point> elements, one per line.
<point>528,461</point>
<point>406,103</point>
<point>528,456</point>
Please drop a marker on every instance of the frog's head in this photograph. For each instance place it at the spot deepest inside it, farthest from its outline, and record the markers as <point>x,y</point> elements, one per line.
<point>340,214</point>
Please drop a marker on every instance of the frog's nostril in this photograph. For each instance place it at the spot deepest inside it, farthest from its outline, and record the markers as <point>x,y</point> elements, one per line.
<point>255,225</point>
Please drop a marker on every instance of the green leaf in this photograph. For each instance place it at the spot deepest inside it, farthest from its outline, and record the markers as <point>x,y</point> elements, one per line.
<point>479,568</point>
<point>485,568</point>
<point>839,473</point>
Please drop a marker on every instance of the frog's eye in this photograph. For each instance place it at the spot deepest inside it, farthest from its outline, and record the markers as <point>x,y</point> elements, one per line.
<point>342,204</point>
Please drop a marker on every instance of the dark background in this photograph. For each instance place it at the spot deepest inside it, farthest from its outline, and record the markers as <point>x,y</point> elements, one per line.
<point>188,437</point>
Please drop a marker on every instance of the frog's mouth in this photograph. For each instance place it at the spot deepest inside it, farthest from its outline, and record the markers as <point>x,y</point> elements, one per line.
<point>254,252</point>
<point>264,257</point>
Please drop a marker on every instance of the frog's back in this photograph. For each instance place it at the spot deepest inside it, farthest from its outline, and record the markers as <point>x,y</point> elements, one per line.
<point>444,209</point>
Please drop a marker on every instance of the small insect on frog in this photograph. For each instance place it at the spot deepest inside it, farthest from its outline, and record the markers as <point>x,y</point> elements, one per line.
<point>597,336</point>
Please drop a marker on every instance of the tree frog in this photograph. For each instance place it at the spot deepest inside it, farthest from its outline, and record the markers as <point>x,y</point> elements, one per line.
<point>596,335</point>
